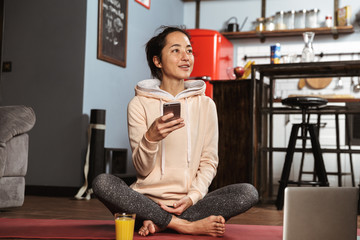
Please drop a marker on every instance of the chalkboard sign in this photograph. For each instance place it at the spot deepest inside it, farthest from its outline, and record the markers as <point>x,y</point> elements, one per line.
<point>112,31</point>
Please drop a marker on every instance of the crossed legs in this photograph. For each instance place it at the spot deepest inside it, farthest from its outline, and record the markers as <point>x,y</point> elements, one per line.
<point>207,217</point>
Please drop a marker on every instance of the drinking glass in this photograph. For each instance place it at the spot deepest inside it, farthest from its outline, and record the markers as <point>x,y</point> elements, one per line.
<point>124,226</point>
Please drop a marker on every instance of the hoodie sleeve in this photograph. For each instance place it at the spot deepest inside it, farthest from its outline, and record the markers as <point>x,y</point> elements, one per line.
<point>209,157</point>
<point>143,150</point>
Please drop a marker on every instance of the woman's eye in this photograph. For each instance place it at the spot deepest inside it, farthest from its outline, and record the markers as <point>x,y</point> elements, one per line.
<point>175,50</point>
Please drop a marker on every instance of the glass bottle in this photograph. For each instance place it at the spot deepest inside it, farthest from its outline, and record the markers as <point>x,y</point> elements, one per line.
<point>308,51</point>
<point>328,21</point>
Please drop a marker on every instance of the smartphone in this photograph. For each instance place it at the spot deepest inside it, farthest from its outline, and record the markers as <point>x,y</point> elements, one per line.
<point>173,107</point>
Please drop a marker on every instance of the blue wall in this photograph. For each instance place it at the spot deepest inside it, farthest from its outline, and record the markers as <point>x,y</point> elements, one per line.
<point>110,87</point>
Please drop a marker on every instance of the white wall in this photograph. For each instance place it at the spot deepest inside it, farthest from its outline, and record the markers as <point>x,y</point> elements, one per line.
<point>214,14</point>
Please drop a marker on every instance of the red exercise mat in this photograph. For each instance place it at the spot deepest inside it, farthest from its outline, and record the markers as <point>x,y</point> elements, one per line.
<point>105,229</point>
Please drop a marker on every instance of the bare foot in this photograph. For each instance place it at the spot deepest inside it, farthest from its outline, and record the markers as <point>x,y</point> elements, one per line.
<point>148,228</point>
<point>212,226</point>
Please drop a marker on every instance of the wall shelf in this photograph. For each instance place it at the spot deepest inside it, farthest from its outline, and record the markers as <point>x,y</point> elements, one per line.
<point>335,31</point>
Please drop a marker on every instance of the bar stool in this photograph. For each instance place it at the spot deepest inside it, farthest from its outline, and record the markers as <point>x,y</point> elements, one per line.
<point>304,103</point>
<point>339,173</point>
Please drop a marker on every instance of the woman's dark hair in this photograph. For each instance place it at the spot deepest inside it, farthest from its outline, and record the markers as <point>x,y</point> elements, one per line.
<point>155,45</point>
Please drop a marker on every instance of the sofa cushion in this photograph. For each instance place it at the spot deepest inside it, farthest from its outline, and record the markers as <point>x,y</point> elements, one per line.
<point>15,120</point>
<point>12,191</point>
<point>14,156</point>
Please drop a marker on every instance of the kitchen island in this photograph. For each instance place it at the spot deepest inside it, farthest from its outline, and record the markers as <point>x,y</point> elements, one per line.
<point>262,124</point>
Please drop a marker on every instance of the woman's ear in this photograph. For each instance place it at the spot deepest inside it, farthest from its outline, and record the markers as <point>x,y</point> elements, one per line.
<point>156,61</point>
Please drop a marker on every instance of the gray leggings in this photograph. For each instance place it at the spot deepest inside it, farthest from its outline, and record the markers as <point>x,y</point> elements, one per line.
<point>227,201</point>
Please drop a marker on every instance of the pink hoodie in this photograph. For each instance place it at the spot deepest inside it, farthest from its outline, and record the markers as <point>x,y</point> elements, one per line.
<point>185,162</point>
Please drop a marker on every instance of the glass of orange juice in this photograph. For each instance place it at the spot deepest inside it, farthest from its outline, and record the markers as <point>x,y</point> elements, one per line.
<point>124,226</point>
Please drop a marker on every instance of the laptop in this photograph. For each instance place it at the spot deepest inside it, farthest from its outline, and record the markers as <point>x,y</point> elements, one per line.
<point>320,213</point>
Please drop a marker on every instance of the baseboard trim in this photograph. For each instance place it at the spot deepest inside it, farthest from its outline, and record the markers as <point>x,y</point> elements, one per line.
<point>61,191</point>
<point>51,191</point>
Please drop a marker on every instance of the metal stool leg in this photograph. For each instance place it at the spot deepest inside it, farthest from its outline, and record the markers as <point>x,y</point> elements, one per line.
<point>338,156</point>
<point>287,166</point>
<point>349,147</point>
<point>319,161</point>
<point>303,136</point>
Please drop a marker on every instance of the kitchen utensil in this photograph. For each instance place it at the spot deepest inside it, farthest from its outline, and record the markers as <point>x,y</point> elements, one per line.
<point>318,83</point>
<point>356,87</point>
<point>301,83</point>
<point>243,23</point>
<point>232,27</point>
<point>339,84</point>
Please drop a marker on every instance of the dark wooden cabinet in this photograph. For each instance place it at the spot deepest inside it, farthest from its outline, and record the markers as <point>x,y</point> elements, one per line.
<point>233,99</point>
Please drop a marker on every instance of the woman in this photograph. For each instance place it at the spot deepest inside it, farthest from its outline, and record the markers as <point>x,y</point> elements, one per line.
<point>175,159</point>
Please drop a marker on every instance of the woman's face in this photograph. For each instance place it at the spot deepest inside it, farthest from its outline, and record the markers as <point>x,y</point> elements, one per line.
<point>177,59</point>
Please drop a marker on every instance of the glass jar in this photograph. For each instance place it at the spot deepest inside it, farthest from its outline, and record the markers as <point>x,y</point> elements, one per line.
<point>312,18</point>
<point>259,24</point>
<point>269,24</point>
<point>300,18</point>
<point>290,19</point>
<point>279,21</point>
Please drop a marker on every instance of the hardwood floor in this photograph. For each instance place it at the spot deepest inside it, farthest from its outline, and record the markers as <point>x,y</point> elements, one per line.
<point>41,207</point>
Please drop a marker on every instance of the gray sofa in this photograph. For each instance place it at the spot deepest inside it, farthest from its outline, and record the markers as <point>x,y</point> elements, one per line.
<point>15,122</point>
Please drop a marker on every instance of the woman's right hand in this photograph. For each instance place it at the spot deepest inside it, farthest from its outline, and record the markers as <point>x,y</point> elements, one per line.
<point>159,129</point>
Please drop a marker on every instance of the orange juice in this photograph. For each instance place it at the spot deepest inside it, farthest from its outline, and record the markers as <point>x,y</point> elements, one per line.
<point>124,226</point>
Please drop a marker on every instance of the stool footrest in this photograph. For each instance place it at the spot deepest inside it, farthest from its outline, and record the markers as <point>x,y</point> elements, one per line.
<point>335,173</point>
<point>303,138</point>
<point>306,183</point>
<point>329,173</point>
<point>308,173</point>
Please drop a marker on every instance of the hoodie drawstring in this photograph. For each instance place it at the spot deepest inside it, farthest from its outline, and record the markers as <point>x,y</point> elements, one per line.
<point>187,124</point>
<point>162,144</point>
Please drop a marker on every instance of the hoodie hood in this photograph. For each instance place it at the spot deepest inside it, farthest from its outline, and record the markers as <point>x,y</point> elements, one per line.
<point>151,88</point>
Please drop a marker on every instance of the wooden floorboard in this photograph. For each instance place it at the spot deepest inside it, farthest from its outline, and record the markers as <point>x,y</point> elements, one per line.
<point>42,207</point>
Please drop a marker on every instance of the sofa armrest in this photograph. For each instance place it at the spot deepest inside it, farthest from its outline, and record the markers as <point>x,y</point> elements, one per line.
<point>15,120</point>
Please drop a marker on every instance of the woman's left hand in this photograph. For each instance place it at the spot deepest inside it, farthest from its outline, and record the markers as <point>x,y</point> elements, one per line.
<point>179,207</point>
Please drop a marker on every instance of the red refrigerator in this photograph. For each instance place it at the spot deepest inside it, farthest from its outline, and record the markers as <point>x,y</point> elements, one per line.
<point>213,56</point>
